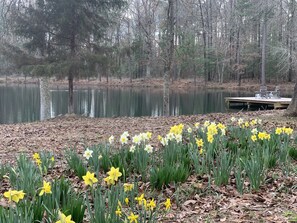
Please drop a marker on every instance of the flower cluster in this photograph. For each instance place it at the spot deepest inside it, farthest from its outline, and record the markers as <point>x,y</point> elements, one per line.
<point>14,195</point>
<point>37,159</point>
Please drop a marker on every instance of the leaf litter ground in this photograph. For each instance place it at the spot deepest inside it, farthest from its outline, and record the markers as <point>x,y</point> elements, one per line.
<point>198,202</point>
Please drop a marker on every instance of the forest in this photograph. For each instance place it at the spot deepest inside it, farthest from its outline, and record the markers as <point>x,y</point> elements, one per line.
<point>210,40</point>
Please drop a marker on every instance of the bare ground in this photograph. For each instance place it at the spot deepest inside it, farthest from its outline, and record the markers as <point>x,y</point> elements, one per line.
<point>199,203</point>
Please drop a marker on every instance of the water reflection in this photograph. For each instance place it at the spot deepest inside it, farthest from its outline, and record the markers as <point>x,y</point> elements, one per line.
<point>23,103</point>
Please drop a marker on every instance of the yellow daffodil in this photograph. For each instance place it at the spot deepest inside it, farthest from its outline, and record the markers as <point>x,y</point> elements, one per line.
<point>201,151</point>
<point>36,156</point>
<point>199,142</point>
<point>209,138</point>
<point>46,188</point>
<point>167,204</point>
<point>38,162</point>
<point>90,179</point>
<point>128,187</point>
<point>149,135</point>
<point>118,212</point>
<point>278,131</point>
<point>288,131</point>
<point>114,173</point>
<point>133,218</point>
<point>109,180</point>
<point>254,138</point>
<point>189,130</point>
<point>177,129</point>
<point>212,129</point>
<point>140,199</point>
<point>14,195</point>
<point>64,219</point>
<point>151,205</point>
<point>253,122</point>
<point>127,201</point>
<point>53,159</point>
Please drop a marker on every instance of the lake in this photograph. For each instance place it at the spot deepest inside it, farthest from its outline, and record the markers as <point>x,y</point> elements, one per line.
<point>22,103</point>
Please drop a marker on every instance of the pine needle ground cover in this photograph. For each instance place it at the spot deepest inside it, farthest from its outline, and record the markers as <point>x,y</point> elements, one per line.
<point>207,171</point>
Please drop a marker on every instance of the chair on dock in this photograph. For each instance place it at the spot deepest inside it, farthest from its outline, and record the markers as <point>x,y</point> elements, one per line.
<point>262,93</point>
<point>275,93</point>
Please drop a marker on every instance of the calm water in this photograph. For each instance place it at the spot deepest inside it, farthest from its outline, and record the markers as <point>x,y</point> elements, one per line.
<point>22,103</point>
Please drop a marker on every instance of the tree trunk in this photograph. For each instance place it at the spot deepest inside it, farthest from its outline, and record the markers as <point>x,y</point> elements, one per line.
<point>70,93</point>
<point>45,98</point>
<point>204,41</point>
<point>292,109</point>
<point>263,59</point>
<point>169,55</point>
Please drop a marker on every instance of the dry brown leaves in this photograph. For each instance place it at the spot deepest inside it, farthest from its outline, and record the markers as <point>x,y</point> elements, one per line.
<point>200,204</point>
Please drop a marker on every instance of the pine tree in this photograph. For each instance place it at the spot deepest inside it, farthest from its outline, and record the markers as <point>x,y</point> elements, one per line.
<point>60,34</point>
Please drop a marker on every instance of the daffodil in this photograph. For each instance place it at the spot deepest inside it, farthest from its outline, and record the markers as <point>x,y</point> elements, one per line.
<point>151,205</point>
<point>36,156</point>
<point>53,159</point>
<point>127,201</point>
<point>163,141</point>
<point>114,173</point>
<point>109,180</point>
<point>128,187</point>
<point>179,138</point>
<point>240,121</point>
<point>288,131</point>
<point>199,142</point>
<point>233,119</point>
<point>14,195</point>
<point>140,199</point>
<point>206,123</point>
<point>201,151</point>
<point>123,139</point>
<point>111,139</point>
<point>254,138</point>
<point>189,130</point>
<point>197,124</point>
<point>132,149</point>
<point>149,135</point>
<point>167,204</point>
<point>46,188</point>
<point>88,153</point>
<point>254,131</point>
<point>278,131</point>
<point>210,138</point>
<point>133,218</point>
<point>118,212</point>
<point>136,140</point>
<point>90,179</point>
<point>148,148</point>
<point>38,162</point>
<point>64,219</point>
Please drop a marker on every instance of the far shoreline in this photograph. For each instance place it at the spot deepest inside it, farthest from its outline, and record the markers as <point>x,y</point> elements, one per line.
<point>154,83</point>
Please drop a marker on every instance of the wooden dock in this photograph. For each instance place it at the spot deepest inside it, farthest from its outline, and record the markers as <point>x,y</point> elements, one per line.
<point>275,102</point>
